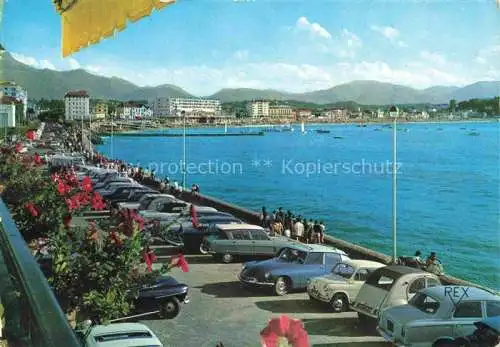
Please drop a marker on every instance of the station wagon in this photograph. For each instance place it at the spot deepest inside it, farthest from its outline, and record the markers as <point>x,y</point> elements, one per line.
<point>435,316</point>
<point>243,240</point>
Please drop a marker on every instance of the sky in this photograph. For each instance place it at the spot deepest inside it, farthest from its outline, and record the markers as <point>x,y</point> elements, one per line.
<point>290,45</point>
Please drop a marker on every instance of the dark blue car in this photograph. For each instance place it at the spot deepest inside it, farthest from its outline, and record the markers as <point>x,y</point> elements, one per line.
<point>291,269</point>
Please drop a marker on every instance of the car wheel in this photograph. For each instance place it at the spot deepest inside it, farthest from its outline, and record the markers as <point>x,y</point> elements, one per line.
<point>204,248</point>
<point>227,258</point>
<point>282,286</point>
<point>448,343</point>
<point>339,303</point>
<point>170,308</point>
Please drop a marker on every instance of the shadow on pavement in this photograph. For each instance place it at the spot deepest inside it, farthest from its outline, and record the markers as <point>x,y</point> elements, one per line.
<point>341,326</point>
<point>232,289</point>
<point>289,306</point>
<point>200,259</point>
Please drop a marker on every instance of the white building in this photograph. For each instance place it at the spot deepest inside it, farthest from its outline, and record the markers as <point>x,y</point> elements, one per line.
<point>172,107</point>
<point>17,92</point>
<point>258,108</point>
<point>76,105</point>
<point>133,111</point>
<point>7,114</point>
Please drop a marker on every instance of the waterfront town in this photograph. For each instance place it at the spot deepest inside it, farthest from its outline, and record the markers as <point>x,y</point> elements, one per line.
<point>169,111</point>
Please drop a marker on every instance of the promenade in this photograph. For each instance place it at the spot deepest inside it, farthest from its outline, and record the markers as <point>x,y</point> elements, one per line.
<point>220,310</point>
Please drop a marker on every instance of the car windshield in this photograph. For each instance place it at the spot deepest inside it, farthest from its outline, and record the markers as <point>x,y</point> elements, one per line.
<point>292,255</point>
<point>424,303</point>
<point>344,270</point>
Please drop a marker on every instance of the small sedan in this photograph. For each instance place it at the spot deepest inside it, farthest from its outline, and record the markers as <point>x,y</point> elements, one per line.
<point>342,285</point>
<point>292,268</point>
<point>436,315</point>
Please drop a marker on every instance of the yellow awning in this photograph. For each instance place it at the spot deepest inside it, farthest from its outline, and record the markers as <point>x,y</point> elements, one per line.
<point>86,22</point>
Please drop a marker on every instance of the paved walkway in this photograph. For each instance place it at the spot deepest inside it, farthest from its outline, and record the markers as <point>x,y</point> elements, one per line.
<point>220,310</point>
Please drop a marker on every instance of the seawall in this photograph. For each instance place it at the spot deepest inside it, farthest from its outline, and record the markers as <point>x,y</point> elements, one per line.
<point>354,250</point>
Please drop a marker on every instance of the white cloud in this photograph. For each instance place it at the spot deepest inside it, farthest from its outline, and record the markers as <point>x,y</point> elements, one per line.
<point>435,58</point>
<point>39,64</point>
<point>314,28</point>
<point>390,33</point>
<point>351,39</point>
<point>489,54</point>
<point>73,64</point>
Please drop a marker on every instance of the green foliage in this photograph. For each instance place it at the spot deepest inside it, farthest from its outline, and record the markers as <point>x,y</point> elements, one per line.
<point>453,105</point>
<point>488,106</point>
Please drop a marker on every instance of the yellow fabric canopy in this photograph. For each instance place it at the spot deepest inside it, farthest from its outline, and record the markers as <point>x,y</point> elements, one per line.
<point>86,22</point>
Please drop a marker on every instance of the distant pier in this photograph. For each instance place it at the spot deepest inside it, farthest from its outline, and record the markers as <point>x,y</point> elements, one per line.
<point>260,133</point>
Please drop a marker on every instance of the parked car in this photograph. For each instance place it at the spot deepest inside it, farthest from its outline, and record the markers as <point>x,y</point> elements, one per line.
<point>118,334</point>
<point>134,196</point>
<point>342,285</point>
<point>292,268</point>
<point>122,192</point>
<point>166,207</point>
<point>487,334</point>
<point>243,240</point>
<point>203,211</point>
<point>436,315</point>
<point>146,201</point>
<point>390,286</point>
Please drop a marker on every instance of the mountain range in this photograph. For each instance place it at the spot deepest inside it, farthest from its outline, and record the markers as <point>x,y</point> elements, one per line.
<point>52,84</point>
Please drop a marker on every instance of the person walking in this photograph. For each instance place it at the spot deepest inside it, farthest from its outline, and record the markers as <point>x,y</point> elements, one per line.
<point>298,230</point>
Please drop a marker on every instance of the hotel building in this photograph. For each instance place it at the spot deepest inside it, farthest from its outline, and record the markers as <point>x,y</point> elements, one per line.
<point>173,107</point>
<point>100,111</point>
<point>76,105</point>
<point>15,91</point>
<point>281,111</point>
<point>133,111</point>
<point>258,109</point>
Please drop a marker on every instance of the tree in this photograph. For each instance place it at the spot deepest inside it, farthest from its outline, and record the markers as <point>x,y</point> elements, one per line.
<point>453,105</point>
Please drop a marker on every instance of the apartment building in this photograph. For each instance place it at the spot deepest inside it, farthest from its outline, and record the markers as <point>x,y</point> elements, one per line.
<point>304,113</point>
<point>76,105</point>
<point>15,91</point>
<point>192,107</point>
<point>100,111</point>
<point>336,114</point>
<point>258,109</point>
<point>281,111</point>
<point>11,111</point>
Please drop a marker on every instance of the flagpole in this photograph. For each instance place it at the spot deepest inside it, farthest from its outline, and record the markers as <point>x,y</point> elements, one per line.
<point>394,112</point>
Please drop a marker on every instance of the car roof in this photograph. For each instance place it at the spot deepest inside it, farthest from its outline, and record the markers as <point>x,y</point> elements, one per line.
<point>118,328</point>
<point>312,247</point>
<point>238,226</point>
<point>357,263</point>
<point>402,270</point>
<point>445,293</point>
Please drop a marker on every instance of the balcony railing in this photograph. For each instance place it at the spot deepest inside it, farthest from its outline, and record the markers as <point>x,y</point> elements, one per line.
<point>33,316</point>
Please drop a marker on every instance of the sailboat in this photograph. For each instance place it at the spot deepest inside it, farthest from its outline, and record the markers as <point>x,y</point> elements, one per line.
<point>303,128</point>
<point>225,128</point>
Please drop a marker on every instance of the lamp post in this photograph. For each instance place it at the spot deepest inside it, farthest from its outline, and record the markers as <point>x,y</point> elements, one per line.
<point>394,113</point>
<point>183,113</point>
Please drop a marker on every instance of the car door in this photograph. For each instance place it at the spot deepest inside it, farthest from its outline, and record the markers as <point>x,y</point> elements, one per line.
<point>313,266</point>
<point>331,260</point>
<point>464,316</point>
<point>262,244</point>
<point>241,243</point>
<point>356,282</point>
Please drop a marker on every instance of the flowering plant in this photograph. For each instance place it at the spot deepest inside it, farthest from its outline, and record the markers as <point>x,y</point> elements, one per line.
<point>284,331</point>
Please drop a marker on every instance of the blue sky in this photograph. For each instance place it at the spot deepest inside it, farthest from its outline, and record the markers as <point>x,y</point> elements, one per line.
<point>293,45</point>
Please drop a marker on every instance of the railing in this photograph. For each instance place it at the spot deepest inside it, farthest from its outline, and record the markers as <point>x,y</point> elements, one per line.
<point>33,316</point>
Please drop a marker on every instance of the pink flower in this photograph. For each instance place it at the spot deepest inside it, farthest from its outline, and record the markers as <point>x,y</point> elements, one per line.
<point>86,184</point>
<point>97,202</point>
<point>284,327</point>
<point>19,148</point>
<point>32,209</point>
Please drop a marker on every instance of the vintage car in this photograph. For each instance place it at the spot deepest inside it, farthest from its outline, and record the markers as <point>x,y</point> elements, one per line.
<point>436,315</point>
<point>118,334</point>
<point>487,334</point>
<point>389,286</point>
<point>342,285</point>
<point>243,240</point>
<point>292,268</point>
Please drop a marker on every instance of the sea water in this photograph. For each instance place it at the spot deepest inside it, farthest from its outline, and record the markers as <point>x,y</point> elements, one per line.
<point>448,183</point>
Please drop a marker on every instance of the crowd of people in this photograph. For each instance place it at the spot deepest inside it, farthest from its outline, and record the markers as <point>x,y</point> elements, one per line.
<point>293,226</point>
<point>431,264</point>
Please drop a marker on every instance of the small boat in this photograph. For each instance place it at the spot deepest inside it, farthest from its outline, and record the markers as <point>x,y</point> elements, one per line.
<point>473,133</point>
<point>338,137</point>
<point>439,129</point>
<point>322,131</point>
<point>463,128</point>
<point>303,128</point>
<point>377,129</point>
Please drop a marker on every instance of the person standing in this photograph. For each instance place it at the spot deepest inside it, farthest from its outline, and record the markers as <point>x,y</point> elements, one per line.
<point>263,217</point>
<point>298,230</point>
<point>322,232</point>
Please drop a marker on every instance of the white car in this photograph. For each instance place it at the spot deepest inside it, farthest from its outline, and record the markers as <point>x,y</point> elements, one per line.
<point>342,285</point>
<point>437,315</point>
<point>390,286</point>
<point>121,335</point>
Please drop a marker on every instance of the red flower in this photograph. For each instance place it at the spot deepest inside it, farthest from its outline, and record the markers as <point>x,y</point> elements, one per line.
<point>67,221</point>
<point>32,209</point>
<point>63,188</point>
<point>115,239</point>
<point>19,148</point>
<point>284,327</point>
<point>30,135</point>
<point>97,202</point>
<point>149,259</point>
<point>37,159</point>
<point>86,184</point>
<point>180,262</point>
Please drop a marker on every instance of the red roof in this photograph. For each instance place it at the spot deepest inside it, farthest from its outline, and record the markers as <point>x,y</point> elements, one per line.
<point>77,93</point>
